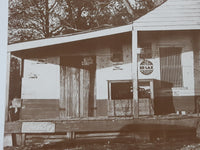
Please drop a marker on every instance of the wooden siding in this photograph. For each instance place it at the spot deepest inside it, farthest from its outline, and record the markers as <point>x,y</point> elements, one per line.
<point>146,106</point>
<point>39,109</point>
<point>102,107</point>
<point>123,107</point>
<point>173,14</point>
<point>120,107</point>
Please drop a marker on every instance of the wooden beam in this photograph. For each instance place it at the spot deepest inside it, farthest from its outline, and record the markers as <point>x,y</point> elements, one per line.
<point>12,127</point>
<point>38,127</point>
<point>145,124</point>
<point>135,73</point>
<point>124,125</point>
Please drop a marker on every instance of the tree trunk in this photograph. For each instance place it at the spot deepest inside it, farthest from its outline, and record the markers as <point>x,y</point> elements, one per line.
<point>47,19</point>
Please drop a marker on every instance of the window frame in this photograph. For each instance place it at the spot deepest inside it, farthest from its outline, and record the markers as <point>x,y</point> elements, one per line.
<point>116,81</point>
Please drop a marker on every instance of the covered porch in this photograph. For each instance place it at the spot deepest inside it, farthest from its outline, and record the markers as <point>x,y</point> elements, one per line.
<point>69,79</point>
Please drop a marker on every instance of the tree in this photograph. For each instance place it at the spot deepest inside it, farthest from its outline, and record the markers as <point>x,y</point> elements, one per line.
<point>36,19</point>
<point>32,19</point>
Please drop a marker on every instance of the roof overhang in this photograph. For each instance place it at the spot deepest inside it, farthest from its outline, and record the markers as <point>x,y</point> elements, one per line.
<point>165,28</point>
<point>69,38</point>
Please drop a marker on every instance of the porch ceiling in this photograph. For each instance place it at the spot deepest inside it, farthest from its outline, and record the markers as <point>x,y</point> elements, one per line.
<point>171,15</point>
<point>88,46</point>
<point>69,38</point>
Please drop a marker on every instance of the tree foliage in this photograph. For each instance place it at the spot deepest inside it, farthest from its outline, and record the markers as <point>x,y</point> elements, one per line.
<point>15,79</point>
<point>36,19</point>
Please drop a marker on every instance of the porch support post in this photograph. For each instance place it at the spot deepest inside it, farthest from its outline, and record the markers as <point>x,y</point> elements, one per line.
<point>7,86</point>
<point>21,76</point>
<point>22,68</point>
<point>70,135</point>
<point>135,73</point>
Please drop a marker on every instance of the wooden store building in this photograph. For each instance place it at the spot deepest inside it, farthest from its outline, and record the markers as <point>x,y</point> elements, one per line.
<point>150,67</point>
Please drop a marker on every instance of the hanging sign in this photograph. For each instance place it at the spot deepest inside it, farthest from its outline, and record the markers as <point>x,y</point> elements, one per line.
<point>146,67</point>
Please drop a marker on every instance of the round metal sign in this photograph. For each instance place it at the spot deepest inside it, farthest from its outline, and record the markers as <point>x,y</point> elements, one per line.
<point>146,67</point>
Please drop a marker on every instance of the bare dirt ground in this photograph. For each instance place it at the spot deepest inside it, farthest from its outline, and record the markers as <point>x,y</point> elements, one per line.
<point>109,145</point>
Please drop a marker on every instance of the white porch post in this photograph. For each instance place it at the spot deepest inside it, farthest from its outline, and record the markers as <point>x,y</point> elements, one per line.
<point>3,65</point>
<point>7,84</point>
<point>135,73</point>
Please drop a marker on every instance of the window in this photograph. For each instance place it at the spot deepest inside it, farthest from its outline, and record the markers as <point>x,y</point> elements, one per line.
<point>144,89</point>
<point>120,90</point>
<point>116,53</point>
<point>170,67</point>
<point>146,50</point>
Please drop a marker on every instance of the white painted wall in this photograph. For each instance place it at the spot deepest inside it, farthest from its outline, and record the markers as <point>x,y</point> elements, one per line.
<point>184,40</point>
<point>105,74</point>
<point>41,80</point>
<point>105,70</point>
<point>105,67</point>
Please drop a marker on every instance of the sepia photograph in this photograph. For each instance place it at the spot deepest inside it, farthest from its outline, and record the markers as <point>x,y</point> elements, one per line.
<point>101,75</point>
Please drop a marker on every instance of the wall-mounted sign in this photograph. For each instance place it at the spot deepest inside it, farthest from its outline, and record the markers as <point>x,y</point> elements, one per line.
<point>146,67</point>
<point>117,66</point>
<point>87,61</point>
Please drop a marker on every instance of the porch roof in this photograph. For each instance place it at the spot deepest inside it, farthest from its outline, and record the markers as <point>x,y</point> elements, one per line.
<point>171,15</point>
<point>69,38</point>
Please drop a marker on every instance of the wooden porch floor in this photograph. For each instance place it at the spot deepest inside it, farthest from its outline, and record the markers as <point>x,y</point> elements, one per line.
<point>103,124</point>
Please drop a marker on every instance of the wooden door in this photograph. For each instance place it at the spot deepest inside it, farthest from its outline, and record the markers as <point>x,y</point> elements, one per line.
<point>75,88</point>
<point>170,66</point>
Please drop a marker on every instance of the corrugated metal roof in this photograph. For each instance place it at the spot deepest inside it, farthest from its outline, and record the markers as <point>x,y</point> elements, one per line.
<point>172,15</point>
